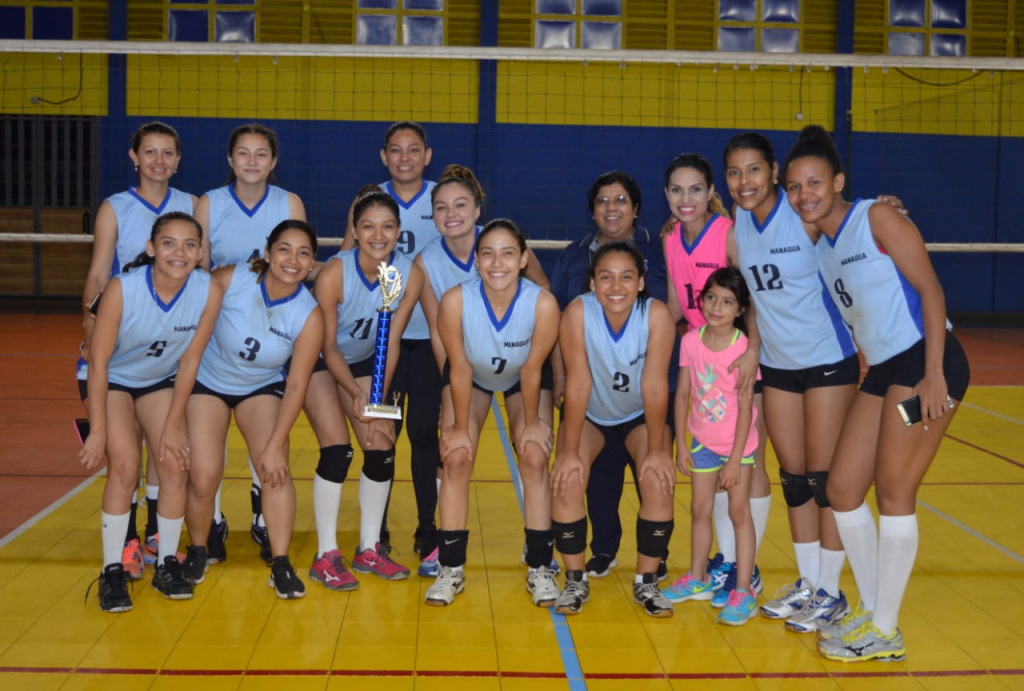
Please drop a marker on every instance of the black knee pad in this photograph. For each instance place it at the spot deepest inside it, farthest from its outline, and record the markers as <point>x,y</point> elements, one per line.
<point>652,537</point>
<point>817,480</point>
<point>334,462</point>
<point>795,488</point>
<point>570,538</point>
<point>379,466</point>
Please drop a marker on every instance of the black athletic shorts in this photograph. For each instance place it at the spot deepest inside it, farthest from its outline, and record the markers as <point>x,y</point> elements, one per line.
<point>839,373</point>
<point>232,400</point>
<point>136,393</point>
<point>907,369</point>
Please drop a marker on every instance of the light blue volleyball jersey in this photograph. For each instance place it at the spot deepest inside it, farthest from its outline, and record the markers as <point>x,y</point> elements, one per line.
<point>498,349</point>
<point>153,335</point>
<point>237,233</point>
<point>418,230</point>
<point>254,335</point>
<point>361,300</point>
<point>444,270</point>
<point>875,299</point>
<point>135,217</point>
<point>800,325</point>
<point>616,362</point>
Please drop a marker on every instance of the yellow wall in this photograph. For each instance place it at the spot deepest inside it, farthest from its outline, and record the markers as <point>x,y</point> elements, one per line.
<point>636,94</point>
<point>922,101</point>
<point>54,78</point>
<point>303,88</point>
<point>906,101</point>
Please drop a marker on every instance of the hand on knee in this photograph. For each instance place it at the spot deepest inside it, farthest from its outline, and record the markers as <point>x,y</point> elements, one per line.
<point>458,465</point>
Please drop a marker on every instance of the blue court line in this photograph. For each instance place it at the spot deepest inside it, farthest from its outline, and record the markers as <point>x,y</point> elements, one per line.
<point>566,645</point>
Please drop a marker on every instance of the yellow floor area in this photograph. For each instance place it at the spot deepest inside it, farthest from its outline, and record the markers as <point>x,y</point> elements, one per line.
<point>961,616</point>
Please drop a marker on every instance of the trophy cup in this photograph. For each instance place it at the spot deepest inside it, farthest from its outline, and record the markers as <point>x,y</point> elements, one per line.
<point>390,291</point>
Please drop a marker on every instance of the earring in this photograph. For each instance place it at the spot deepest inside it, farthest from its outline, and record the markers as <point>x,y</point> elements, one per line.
<point>175,171</point>
<point>136,169</point>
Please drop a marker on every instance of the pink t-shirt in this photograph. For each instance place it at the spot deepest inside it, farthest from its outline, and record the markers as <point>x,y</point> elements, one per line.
<point>714,403</point>
<point>690,266</point>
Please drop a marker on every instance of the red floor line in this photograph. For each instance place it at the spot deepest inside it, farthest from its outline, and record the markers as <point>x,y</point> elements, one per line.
<point>497,674</point>
<point>202,672</point>
<point>983,450</point>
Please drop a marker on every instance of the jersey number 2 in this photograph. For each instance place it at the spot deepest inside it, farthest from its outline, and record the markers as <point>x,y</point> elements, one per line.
<point>621,384</point>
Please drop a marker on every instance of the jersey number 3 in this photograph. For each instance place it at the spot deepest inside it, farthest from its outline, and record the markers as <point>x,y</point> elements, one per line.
<point>250,352</point>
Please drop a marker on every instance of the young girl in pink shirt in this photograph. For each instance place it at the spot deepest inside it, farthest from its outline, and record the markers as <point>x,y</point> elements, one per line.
<point>720,416</point>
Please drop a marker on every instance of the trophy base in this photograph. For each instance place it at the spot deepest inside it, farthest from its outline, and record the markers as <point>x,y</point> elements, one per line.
<point>386,411</point>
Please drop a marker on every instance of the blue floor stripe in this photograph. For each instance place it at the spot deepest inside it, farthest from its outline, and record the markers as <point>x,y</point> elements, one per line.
<point>566,645</point>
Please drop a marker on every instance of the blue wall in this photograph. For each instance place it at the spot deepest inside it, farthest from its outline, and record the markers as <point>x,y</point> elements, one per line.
<point>959,189</point>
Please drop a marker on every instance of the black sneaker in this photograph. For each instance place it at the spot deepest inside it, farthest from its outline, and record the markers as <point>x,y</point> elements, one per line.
<point>169,580</point>
<point>425,540</point>
<point>216,551</point>
<point>284,580</point>
<point>262,538</point>
<point>600,564</point>
<point>114,595</point>
<point>196,564</point>
<point>385,541</point>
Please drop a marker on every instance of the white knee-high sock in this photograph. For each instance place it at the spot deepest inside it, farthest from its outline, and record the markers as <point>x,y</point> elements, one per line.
<point>255,476</point>
<point>326,504</point>
<point>115,526</point>
<point>725,534</point>
<point>897,549</point>
<point>860,538</point>
<point>373,497</point>
<point>831,566</point>
<point>218,515</point>
<point>808,560</point>
<point>759,510</point>
<point>170,534</point>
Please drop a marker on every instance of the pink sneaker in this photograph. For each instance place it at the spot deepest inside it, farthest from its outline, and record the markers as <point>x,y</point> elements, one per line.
<point>375,562</point>
<point>331,571</point>
<point>131,558</point>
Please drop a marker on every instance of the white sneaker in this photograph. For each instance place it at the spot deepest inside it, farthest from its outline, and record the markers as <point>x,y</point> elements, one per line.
<point>575,595</point>
<point>821,610</point>
<point>541,585</point>
<point>450,582</point>
<point>850,623</point>
<point>789,600</point>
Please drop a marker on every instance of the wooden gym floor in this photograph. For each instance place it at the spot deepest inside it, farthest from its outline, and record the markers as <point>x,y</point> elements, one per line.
<point>961,617</point>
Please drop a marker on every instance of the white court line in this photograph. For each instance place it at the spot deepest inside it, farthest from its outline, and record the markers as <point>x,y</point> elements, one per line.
<point>992,413</point>
<point>974,533</point>
<point>24,527</point>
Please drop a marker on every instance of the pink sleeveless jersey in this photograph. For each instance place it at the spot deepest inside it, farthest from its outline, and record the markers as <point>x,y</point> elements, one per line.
<point>690,266</point>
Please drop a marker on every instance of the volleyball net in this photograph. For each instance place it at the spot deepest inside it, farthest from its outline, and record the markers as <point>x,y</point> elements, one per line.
<point>537,126</point>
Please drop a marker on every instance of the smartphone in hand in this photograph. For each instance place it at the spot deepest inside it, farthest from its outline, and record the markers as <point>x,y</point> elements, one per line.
<point>910,409</point>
